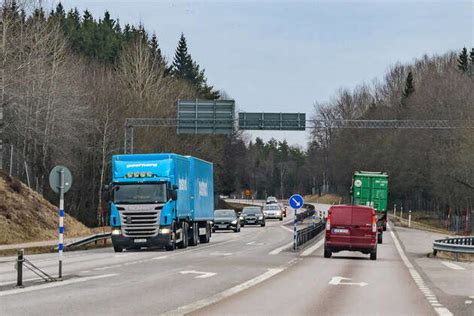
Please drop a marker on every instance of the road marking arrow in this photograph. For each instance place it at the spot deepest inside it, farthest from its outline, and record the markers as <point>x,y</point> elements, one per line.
<point>203,275</point>
<point>337,280</point>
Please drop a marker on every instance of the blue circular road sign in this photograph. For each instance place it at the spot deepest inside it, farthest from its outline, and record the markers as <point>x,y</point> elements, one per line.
<point>296,201</point>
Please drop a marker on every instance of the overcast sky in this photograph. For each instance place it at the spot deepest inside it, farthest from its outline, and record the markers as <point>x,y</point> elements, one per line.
<point>282,56</point>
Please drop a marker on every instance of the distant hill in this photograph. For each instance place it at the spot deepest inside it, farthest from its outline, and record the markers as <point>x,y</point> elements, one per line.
<point>26,216</point>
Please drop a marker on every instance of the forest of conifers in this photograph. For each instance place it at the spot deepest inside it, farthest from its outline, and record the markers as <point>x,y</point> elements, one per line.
<point>69,80</point>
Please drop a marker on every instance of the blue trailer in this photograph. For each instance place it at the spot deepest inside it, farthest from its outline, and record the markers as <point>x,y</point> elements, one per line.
<point>160,200</point>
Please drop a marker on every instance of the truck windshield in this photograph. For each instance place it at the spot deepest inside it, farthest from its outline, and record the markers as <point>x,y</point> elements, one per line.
<point>140,194</point>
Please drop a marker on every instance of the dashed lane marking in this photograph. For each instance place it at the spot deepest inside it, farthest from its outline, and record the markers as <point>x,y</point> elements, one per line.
<point>55,284</point>
<point>452,265</point>
<point>287,228</point>
<point>439,308</point>
<point>280,249</point>
<point>186,309</point>
<point>312,249</point>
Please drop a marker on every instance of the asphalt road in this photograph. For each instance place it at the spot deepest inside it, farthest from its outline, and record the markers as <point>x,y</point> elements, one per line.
<point>246,273</point>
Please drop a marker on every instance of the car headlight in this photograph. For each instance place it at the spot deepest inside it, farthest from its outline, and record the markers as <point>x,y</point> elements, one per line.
<point>234,222</point>
<point>241,218</point>
<point>260,217</point>
<point>116,231</point>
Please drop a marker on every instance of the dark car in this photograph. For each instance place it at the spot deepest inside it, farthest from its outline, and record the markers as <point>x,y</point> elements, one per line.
<point>252,215</point>
<point>352,228</point>
<point>226,219</point>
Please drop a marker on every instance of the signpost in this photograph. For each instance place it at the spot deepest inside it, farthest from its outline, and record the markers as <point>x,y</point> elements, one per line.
<point>205,116</point>
<point>296,202</point>
<point>60,180</point>
<point>272,121</point>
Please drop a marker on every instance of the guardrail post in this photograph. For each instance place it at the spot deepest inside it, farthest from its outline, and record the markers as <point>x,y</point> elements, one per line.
<point>19,268</point>
<point>394,210</point>
<point>401,212</point>
<point>409,219</point>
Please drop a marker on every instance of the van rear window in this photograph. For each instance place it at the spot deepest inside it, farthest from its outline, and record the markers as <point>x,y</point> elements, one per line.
<point>361,216</point>
<point>341,216</point>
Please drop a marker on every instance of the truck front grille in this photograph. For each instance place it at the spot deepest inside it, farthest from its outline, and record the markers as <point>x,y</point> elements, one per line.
<point>140,223</point>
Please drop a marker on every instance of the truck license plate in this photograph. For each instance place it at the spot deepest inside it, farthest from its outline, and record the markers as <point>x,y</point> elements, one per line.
<point>139,240</point>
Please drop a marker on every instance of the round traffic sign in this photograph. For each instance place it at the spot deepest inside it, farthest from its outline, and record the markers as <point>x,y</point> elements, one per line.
<point>55,179</point>
<point>296,201</point>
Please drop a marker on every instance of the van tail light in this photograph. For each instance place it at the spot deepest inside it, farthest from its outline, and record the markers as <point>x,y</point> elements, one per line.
<point>328,223</point>
<point>374,224</point>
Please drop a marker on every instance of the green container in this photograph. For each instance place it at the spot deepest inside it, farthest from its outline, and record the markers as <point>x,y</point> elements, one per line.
<point>370,189</point>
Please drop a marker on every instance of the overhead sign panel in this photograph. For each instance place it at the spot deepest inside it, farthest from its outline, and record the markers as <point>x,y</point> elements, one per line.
<point>272,121</point>
<point>205,116</point>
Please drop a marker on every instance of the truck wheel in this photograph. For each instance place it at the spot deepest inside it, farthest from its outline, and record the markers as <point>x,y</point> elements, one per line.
<point>384,227</point>
<point>184,236</point>
<point>373,254</point>
<point>193,240</point>
<point>118,249</point>
<point>379,238</point>
<point>204,239</point>
<point>173,239</point>
<point>263,224</point>
<point>281,218</point>
<point>327,253</point>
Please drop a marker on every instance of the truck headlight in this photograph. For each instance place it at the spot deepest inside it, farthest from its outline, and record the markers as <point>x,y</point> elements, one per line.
<point>116,231</point>
<point>234,222</point>
<point>165,231</point>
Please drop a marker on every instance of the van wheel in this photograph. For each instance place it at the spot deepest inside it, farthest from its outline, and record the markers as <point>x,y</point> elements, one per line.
<point>379,238</point>
<point>263,224</point>
<point>281,218</point>
<point>118,249</point>
<point>373,254</point>
<point>327,253</point>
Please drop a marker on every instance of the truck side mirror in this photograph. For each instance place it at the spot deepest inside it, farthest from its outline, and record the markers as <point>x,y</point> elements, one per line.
<point>106,193</point>
<point>174,194</point>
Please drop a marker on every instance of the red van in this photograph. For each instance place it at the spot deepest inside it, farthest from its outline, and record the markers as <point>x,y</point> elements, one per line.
<point>351,227</point>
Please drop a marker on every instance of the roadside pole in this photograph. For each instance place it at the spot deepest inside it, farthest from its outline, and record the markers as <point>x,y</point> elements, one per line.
<point>395,210</point>
<point>296,201</point>
<point>409,219</point>
<point>61,222</point>
<point>60,180</point>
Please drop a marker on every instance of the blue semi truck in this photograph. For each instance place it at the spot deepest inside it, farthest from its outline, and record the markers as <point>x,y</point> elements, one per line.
<point>160,200</point>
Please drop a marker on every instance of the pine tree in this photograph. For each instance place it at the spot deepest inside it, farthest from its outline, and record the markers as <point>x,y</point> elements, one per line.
<point>182,67</point>
<point>409,85</point>
<point>463,62</point>
<point>471,66</point>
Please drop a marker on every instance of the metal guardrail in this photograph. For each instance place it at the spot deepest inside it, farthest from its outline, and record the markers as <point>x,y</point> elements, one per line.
<point>88,240</point>
<point>456,245</point>
<point>306,234</point>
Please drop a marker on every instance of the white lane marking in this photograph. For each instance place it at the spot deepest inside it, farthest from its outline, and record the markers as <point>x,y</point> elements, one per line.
<point>186,309</point>
<point>122,255</point>
<point>202,275</point>
<point>287,228</point>
<point>452,265</point>
<point>338,280</point>
<point>251,243</point>
<point>471,296</point>
<point>313,248</point>
<point>55,284</point>
<point>468,302</point>
<point>280,249</point>
<point>160,257</point>
<point>441,311</point>
<point>24,280</point>
<point>218,254</point>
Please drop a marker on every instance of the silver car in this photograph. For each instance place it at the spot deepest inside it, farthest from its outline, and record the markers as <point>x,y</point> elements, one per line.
<point>273,211</point>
